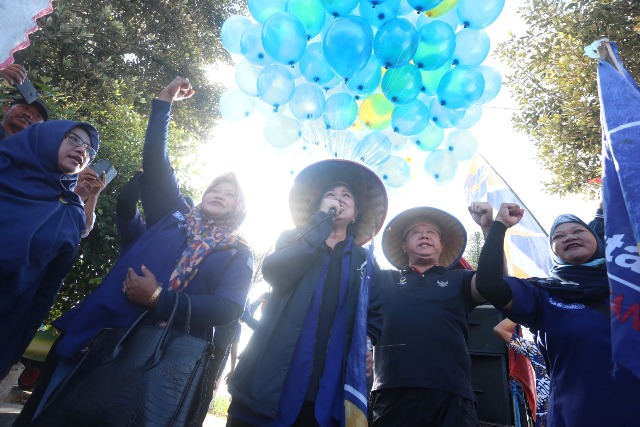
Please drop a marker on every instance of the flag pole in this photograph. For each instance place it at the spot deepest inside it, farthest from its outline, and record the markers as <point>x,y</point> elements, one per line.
<point>514,193</point>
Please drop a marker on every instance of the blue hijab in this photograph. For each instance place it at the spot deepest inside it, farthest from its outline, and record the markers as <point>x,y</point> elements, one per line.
<point>587,282</point>
<point>39,212</point>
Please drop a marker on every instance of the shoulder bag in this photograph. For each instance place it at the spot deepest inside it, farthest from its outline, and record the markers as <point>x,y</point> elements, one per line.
<point>137,376</point>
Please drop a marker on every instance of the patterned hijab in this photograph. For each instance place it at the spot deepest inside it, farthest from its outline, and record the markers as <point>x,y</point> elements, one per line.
<point>205,235</point>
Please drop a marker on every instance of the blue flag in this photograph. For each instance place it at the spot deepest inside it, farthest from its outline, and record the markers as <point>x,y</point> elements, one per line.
<point>620,119</point>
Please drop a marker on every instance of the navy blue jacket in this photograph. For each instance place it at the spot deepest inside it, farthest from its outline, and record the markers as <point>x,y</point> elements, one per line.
<point>219,289</point>
<point>41,220</point>
<point>293,271</point>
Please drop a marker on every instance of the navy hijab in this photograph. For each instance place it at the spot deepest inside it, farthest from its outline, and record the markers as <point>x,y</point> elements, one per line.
<point>39,212</point>
<point>586,283</point>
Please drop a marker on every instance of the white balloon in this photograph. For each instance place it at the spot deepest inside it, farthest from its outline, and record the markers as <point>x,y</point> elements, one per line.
<point>235,105</point>
<point>281,131</point>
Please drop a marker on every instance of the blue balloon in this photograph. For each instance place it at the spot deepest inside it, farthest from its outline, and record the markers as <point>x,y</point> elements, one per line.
<point>395,172</point>
<point>314,67</point>
<point>429,139</point>
<point>374,149</point>
<point>444,117</point>
<point>347,45</point>
<point>281,131</point>
<point>340,143</point>
<point>340,111</point>
<point>431,79</point>
<point>311,14</point>
<point>252,48</point>
<point>405,8</point>
<point>261,10</point>
<point>436,44</point>
<point>398,142</point>
<point>410,118</point>
<point>231,32</point>
<point>247,77</point>
<point>364,82</point>
<point>339,8</point>
<point>460,87</point>
<point>307,102</point>
<point>275,85</point>
<point>376,2</point>
<point>424,5</point>
<point>395,43</point>
<point>441,165</point>
<point>472,47</point>
<point>492,83</point>
<point>284,38</point>
<point>378,15</point>
<point>471,116</point>
<point>401,85</point>
<point>462,144</point>
<point>235,105</point>
<point>478,14</point>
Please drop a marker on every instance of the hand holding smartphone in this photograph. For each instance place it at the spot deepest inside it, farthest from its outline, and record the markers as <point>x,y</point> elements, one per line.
<point>27,91</point>
<point>105,166</point>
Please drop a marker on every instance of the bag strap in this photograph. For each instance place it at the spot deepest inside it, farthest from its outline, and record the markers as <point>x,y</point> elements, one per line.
<point>187,322</point>
<point>120,343</point>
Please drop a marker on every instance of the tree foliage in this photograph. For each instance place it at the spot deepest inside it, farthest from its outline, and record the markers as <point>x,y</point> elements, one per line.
<point>258,260</point>
<point>474,246</point>
<point>555,83</point>
<point>102,62</point>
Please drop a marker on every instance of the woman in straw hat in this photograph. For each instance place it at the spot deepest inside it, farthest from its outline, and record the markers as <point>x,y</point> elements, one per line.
<point>569,313</point>
<point>293,369</point>
<point>423,368</point>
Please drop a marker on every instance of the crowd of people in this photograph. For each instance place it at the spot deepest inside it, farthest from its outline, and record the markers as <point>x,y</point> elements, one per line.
<point>335,328</point>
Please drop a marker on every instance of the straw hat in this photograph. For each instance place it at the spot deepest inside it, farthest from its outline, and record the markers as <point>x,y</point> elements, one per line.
<point>452,235</point>
<point>370,194</point>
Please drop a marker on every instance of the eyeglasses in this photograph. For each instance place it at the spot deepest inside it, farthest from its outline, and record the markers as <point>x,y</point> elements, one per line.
<point>78,142</point>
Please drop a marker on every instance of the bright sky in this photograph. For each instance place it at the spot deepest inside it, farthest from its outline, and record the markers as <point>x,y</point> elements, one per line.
<point>266,174</point>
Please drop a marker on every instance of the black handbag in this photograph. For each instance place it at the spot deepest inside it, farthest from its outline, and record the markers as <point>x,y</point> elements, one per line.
<point>140,376</point>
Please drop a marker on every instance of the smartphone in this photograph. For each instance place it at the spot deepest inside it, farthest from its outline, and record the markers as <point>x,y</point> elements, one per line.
<point>105,166</point>
<point>26,89</point>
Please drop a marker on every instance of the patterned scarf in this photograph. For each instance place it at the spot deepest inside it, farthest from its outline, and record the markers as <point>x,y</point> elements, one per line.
<point>205,235</point>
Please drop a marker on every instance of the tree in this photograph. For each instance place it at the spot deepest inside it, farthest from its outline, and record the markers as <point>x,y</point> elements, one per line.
<point>102,62</point>
<point>258,260</point>
<point>555,83</point>
<point>474,246</point>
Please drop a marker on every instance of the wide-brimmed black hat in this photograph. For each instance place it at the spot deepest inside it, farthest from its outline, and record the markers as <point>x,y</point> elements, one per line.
<point>370,194</point>
<point>453,236</point>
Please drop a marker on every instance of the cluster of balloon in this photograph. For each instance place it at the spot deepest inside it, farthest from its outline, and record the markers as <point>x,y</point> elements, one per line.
<point>363,79</point>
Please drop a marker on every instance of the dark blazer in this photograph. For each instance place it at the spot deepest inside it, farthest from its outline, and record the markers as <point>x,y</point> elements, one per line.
<point>293,271</point>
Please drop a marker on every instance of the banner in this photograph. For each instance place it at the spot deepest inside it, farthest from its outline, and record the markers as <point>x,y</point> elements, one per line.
<point>620,119</point>
<point>356,392</point>
<point>526,244</point>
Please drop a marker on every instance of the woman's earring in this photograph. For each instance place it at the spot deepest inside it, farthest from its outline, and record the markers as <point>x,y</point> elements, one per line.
<point>353,220</point>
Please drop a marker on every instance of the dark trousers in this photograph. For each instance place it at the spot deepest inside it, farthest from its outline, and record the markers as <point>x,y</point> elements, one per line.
<point>306,418</point>
<point>421,407</point>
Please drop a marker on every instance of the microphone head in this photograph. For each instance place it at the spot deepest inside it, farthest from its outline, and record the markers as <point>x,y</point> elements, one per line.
<point>333,212</point>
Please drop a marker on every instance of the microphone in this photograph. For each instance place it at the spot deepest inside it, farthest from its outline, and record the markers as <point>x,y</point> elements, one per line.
<point>332,212</point>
